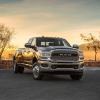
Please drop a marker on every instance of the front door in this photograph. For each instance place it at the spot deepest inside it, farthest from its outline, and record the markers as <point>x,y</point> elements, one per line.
<point>29,52</point>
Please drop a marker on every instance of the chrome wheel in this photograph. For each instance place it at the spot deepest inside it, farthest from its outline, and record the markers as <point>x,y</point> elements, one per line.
<point>36,72</point>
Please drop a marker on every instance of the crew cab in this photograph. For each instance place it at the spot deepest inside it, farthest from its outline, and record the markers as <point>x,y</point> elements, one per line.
<point>49,55</point>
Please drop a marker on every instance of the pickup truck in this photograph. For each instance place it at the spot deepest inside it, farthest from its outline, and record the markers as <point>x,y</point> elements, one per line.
<point>49,55</point>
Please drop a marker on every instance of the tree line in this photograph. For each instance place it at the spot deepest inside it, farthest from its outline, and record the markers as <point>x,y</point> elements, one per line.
<point>93,43</point>
<point>6,34</point>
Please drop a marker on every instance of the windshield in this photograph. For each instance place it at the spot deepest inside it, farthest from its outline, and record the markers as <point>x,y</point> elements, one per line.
<point>46,42</point>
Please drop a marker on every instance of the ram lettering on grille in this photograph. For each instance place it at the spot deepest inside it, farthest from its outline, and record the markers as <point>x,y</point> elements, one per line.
<point>64,55</point>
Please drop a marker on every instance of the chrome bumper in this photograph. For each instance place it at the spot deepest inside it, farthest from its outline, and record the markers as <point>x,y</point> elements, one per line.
<point>49,66</point>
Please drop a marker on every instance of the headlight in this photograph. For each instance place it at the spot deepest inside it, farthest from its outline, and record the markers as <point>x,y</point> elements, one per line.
<point>81,56</point>
<point>45,54</point>
<point>80,53</point>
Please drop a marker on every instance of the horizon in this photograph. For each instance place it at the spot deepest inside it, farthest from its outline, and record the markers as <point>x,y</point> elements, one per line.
<point>57,18</point>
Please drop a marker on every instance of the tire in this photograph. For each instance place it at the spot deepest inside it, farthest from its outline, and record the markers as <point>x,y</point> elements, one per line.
<point>76,76</point>
<point>36,72</point>
<point>21,69</point>
<point>17,68</point>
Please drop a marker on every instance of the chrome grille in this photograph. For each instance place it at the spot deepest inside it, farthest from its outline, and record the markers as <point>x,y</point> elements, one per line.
<point>64,55</point>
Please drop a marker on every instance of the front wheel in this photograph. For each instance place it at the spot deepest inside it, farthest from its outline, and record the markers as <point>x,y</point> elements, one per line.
<point>76,76</point>
<point>36,72</point>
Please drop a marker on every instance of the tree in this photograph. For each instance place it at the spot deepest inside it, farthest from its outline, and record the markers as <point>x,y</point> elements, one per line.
<point>5,37</point>
<point>93,43</point>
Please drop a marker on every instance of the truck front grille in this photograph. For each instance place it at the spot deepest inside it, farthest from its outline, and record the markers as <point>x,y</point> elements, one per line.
<point>64,55</point>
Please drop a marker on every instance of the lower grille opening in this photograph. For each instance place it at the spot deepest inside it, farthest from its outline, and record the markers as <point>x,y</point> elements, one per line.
<point>44,65</point>
<point>64,66</point>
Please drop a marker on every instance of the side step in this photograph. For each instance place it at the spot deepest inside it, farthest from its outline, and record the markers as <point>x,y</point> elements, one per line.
<point>26,65</point>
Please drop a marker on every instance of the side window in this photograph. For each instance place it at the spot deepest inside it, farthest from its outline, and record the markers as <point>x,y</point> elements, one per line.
<point>66,43</point>
<point>30,41</point>
<point>33,42</point>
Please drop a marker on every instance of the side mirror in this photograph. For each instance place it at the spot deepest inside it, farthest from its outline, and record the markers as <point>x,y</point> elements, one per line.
<point>27,45</point>
<point>34,47</point>
<point>75,46</point>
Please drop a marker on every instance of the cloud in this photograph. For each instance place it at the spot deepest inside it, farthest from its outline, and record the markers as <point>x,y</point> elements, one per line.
<point>9,1</point>
<point>12,21</point>
<point>50,17</point>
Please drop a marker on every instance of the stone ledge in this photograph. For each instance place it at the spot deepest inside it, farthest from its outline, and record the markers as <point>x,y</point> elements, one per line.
<point>5,64</point>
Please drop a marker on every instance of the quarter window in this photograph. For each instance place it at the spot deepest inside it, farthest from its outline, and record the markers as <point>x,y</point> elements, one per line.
<point>33,42</point>
<point>30,41</point>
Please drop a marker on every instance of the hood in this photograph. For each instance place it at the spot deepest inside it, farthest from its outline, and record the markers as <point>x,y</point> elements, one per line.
<point>47,49</point>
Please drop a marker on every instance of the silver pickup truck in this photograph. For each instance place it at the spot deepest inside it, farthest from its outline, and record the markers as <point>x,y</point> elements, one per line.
<point>49,55</point>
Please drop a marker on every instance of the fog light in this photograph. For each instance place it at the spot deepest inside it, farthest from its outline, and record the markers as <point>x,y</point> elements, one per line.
<point>44,65</point>
<point>53,67</point>
<point>76,67</point>
<point>82,65</point>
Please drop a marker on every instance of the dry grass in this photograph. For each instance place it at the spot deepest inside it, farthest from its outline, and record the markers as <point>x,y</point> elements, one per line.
<point>89,55</point>
<point>8,54</point>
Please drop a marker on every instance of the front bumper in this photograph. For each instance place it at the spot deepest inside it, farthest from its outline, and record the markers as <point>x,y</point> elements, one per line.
<point>48,66</point>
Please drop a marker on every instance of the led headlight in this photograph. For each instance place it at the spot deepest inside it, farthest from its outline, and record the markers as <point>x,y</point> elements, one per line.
<point>81,56</point>
<point>45,54</point>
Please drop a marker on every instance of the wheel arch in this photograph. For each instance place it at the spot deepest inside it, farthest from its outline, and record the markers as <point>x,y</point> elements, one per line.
<point>34,60</point>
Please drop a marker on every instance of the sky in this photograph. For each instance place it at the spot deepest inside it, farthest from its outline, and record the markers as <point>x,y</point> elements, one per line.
<point>54,18</point>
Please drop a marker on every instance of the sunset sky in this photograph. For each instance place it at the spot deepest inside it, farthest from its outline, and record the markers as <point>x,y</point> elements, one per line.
<point>60,18</point>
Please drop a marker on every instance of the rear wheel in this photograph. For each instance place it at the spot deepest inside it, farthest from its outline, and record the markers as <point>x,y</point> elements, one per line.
<point>17,68</point>
<point>76,76</point>
<point>36,72</point>
<point>21,69</point>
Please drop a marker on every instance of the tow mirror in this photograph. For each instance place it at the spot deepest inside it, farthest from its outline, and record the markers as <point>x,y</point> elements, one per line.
<point>75,46</point>
<point>34,47</point>
<point>28,45</point>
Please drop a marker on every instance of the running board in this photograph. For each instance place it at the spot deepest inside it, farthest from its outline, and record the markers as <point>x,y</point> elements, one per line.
<point>26,65</point>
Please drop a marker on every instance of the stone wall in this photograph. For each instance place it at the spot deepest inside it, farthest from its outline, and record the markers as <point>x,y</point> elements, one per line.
<point>5,64</point>
<point>92,63</point>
